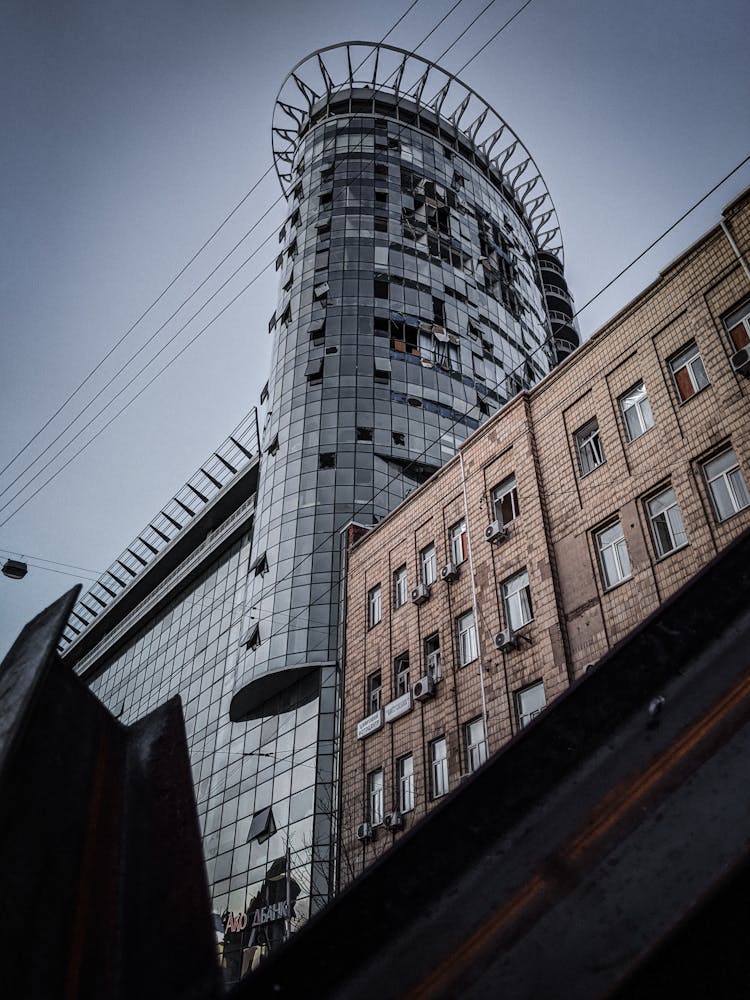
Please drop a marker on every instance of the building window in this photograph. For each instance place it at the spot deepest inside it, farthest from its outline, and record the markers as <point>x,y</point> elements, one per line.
<point>737,325</point>
<point>374,606</point>
<point>529,703</point>
<point>458,544</point>
<point>589,447</point>
<point>613,555</point>
<point>399,587</point>
<point>517,601</point>
<point>636,412</point>
<point>374,692</point>
<point>438,768</point>
<point>432,656</point>
<point>667,529</point>
<point>327,460</point>
<point>467,638</point>
<point>505,501</point>
<point>405,783</point>
<point>688,372</point>
<point>726,485</point>
<point>375,796</point>
<point>401,674</point>
<point>428,564</point>
<point>475,741</point>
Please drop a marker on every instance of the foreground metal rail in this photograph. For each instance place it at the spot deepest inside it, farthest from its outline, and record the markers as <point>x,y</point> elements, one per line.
<point>604,852</point>
<point>102,879</point>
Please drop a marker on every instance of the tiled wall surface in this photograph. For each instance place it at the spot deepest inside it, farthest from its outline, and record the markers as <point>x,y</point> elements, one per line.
<point>569,507</point>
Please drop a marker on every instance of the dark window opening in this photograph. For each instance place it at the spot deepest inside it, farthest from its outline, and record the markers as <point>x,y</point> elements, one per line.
<point>398,438</point>
<point>381,288</point>
<point>260,566</point>
<point>327,460</point>
<point>314,369</point>
<point>364,433</point>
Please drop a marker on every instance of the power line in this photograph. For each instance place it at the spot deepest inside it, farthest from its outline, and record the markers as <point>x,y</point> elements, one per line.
<point>24,555</point>
<point>168,287</point>
<point>183,327</point>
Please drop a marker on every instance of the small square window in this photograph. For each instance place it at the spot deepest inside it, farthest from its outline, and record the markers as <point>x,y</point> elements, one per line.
<point>317,329</point>
<point>260,565</point>
<point>636,412</point>
<point>375,796</point>
<point>374,606</point>
<point>251,638</point>
<point>737,325</point>
<point>726,484</point>
<point>428,564</point>
<point>529,703</point>
<point>320,291</point>
<point>505,501</point>
<point>398,438</point>
<point>382,368</point>
<point>381,288</point>
<point>589,447</point>
<point>432,656</point>
<point>327,460</point>
<point>475,742</point>
<point>374,693</point>
<point>688,372</point>
<point>314,369</point>
<point>364,433</point>
<point>517,601</point>
<point>467,638</point>
<point>614,561</point>
<point>401,675</point>
<point>665,521</point>
<point>405,769</point>
<point>399,587</point>
<point>273,447</point>
<point>458,542</point>
<point>438,768</point>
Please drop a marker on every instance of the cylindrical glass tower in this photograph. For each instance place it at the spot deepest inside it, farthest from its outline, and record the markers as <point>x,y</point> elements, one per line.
<point>412,306</point>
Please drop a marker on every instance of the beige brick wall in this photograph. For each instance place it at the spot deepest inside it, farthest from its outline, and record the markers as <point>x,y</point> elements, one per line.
<point>575,619</point>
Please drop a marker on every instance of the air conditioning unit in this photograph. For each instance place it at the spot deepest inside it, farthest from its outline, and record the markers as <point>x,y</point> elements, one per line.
<point>741,361</point>
<point>506,639</point>
<point>424,689</point>
<point>394,820</point>
<point>449,571</point>
<point>420,593</point>
<point>496,532</point>
<point>364,831</point>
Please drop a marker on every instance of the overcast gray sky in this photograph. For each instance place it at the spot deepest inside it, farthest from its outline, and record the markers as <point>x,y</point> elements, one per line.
<point>130,130</point>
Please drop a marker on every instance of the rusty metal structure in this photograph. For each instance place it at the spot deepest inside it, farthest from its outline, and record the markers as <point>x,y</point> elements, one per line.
<point>102,878</point>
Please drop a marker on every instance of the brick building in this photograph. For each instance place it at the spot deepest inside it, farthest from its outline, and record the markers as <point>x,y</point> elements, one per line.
<point>562,523</point>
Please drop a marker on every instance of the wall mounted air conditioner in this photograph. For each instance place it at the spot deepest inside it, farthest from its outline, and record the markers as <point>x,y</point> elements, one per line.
<point>741,361</point>
<point>420,593</point>
<point>496,532</point>
<point>449,571</point>
<point>364,831</point>
<point>394,820</point>
<point>506,639</point>
<point>424,689</point>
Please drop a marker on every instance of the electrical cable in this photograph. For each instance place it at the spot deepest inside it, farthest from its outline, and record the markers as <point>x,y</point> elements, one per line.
<point>173,281</point>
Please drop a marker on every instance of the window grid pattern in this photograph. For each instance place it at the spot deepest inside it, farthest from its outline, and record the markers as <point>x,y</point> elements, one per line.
<point>529,703</point>
<point>517,601</point>
<point>613,555</point>
<point>438,768</point>
<point>405,769</point>
<point>665,519</point>
<point>726,484</point>
<point>467,639</point>
<point>476,744</point>
<point>636,412</point>
<point>688,372</point>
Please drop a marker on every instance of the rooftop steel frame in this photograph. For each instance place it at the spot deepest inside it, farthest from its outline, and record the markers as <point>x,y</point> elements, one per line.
<point>405,76</point>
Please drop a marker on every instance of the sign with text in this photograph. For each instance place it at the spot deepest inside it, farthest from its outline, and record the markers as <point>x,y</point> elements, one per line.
<point>397,707</point>
<point>370,725</point>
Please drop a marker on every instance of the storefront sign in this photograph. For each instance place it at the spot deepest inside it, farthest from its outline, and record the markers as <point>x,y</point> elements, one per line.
<point>267,914</point>
<point>370,725</point>
<point>236,922</point>
<point>400,706</point>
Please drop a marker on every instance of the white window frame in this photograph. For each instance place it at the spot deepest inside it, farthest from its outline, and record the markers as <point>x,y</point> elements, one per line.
<point>507,488</point>
<point>374,606</point>
<point>589,447</point>
<point>432,657</point>
<point>438,768</point>
<point>665,522</point>
<point>635,404</point>
<point>400,588</point>
<point>458,542</point>
<point>689,359</point>
<point>375,796</point>
<point>519,610</point>
<point>374,693</point>
<point>405,771</point>
<point>468,649</point>
<point>616,547</point>
<point>524,713</point>
<point>475,741</point>
<point>738,319</point>
<point>428,564</point>
<point>401,674</point>
<point>729,481</point>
